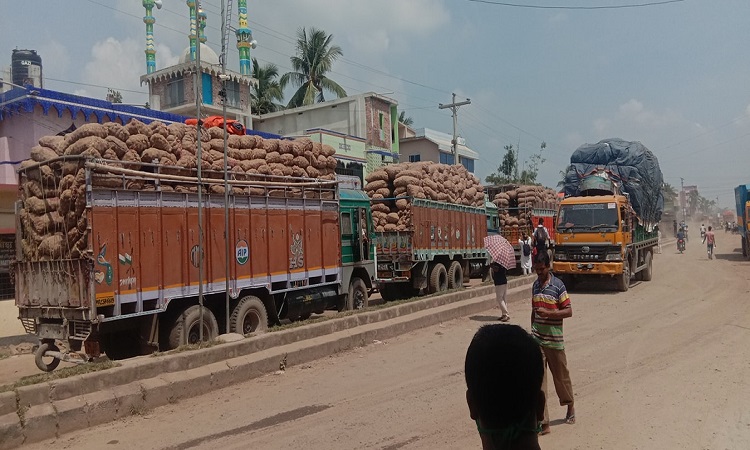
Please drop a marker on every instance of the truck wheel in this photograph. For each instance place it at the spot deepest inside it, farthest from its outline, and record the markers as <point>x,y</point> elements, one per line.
<point>39,357</point>
<point>249,316</point>
<point>387,292</point>
<point>357,298</point>
<point>438,279</point>
<point>623,281</point>
<point>455,275</point>
<point>121,345</point>
<point>647,273</point>
<point>186,327</point>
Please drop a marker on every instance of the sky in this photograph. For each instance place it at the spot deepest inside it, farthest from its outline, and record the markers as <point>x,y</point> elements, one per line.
<point>673,76</point>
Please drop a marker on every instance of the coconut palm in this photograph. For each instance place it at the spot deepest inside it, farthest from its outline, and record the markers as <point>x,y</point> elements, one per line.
<point>669,193</point>
<point>315,57</point>
<point>408,121</point>
<point>265,95</point>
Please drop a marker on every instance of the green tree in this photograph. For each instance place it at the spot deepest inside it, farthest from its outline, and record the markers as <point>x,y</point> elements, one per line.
<point>315,57</point>
<point>505,173</point>
<point>404,119</point>
<point>669,193</point>
<point>266,96</point>
<point>563,175</point>
<point>531,167</point>
<point>114,96</point>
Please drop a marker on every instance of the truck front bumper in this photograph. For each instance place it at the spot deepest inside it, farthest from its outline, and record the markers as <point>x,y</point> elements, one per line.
<point>587,268</point>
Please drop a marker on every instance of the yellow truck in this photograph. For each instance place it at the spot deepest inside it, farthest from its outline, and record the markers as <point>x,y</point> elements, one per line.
<point>606,222</point>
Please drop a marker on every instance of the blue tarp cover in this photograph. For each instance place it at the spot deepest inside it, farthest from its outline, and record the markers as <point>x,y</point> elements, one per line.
<point>630,164</point>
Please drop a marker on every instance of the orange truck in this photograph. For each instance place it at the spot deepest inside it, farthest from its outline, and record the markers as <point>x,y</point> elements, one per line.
<point>296,247</point>
<point>443,244</point>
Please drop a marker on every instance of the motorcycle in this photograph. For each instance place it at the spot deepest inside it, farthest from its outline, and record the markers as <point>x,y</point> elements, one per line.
<point>681,245</point>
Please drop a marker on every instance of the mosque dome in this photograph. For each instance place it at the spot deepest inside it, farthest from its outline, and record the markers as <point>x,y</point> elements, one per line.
<point>208,56</point>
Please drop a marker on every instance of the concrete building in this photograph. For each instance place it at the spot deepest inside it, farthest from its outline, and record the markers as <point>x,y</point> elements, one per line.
<point>431,145</point>
<point>370,117</point>
<point>172,89</point>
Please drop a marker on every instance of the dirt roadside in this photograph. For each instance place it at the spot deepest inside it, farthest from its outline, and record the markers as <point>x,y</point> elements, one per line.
<point>663,365</point>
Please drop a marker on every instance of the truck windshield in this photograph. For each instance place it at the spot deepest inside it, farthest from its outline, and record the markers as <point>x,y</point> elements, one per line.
<point>584,217</point>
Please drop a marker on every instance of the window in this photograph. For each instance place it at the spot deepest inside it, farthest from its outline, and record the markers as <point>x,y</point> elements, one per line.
<point>468,163</point>
<point>233,94</point>
<point>414,158</point>
<point>382,130</point>
<point>446,158</point>
<point>175,93</point>
<point>346,223</point>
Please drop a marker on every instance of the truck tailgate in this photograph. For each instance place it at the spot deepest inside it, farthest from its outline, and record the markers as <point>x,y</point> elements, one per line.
<point>62,283</point>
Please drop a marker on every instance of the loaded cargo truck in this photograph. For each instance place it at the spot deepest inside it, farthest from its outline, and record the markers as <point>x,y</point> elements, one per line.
<point>443,242</point>
<point>520,207</point>
<point>742,202</point>
<point>605,223</point>
<point>122,277</point>
<point>430,222</point>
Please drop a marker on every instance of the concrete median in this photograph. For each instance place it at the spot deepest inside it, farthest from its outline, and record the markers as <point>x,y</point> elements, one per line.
<point>50,409</point>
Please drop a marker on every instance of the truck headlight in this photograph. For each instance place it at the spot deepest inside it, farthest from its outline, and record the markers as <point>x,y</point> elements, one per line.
<point>560,256</point>
<point>613,257</point>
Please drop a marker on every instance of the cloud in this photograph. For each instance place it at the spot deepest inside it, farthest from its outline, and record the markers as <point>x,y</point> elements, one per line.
<point>55,59</point>
<point>117,65</point>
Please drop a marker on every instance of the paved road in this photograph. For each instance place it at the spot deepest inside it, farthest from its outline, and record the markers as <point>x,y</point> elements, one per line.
<point>663,366</point>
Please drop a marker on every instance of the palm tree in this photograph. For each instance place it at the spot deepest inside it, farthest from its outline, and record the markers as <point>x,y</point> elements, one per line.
<point>405,120</point>
<point>315,57</point>
<point>268,91</point>
<point>669,193</point>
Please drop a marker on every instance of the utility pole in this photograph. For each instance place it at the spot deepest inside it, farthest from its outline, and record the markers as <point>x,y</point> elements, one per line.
<point>454,108</point>
<point>683,198</point>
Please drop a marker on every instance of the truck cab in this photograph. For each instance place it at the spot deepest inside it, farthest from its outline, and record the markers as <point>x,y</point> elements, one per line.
<point>600,236</point>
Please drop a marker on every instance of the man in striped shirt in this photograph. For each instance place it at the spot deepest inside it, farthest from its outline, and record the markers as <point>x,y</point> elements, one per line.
<point>550,305</point>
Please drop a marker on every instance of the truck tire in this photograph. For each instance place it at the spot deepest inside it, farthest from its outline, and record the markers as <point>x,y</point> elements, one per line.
<point>185,328</point>
<point>437,279</point>
<point>455,275</point>
<point>39,357</point>
<point>647,273</point>
<point>623,281</point>
<point>249,316</point>
<point>357,297</point>
<point>121,345</point>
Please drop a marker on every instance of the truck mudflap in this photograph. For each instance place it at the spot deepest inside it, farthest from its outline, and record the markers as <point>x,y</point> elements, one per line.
<point>587,268</point>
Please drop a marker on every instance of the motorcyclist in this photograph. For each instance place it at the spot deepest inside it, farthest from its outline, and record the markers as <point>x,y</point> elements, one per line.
<point>680,239</point>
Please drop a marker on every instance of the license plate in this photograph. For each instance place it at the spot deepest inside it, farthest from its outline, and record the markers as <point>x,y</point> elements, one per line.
<point>108,300</point>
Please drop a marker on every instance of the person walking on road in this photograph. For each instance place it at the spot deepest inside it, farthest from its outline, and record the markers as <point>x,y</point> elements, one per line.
<point>658,240</point>
<point>550,305</point>
<point>525,244</point>
<point>500,279</point>
<point>504,372</point>
<point>541,236</point>
<point>710,240</point>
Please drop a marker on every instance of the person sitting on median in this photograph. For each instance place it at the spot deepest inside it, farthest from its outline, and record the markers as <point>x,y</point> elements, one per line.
<point>504,372</point>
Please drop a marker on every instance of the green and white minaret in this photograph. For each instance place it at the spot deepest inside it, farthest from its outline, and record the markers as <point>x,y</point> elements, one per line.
<point>193,28</point>
<point>202,26</point>
<point>244,39</point>
<point>149,20</point>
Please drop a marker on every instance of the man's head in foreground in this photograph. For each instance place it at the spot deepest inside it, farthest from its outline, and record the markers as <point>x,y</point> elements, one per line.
<point>504,373</point>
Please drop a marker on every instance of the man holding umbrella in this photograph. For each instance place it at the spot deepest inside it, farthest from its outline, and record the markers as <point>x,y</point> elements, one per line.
<point>503,258</point>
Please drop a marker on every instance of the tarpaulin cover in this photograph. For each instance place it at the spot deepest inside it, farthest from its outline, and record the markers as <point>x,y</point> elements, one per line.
<point>630,164</point>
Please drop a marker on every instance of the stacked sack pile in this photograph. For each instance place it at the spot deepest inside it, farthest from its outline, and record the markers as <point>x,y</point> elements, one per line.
<point>54,194</point>
<point>516,203</point>
<point>394,184</point>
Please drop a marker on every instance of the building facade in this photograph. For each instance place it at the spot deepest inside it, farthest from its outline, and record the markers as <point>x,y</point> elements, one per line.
<point>431,145</point>
<point>370,117</point>
<point>172,89</point>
